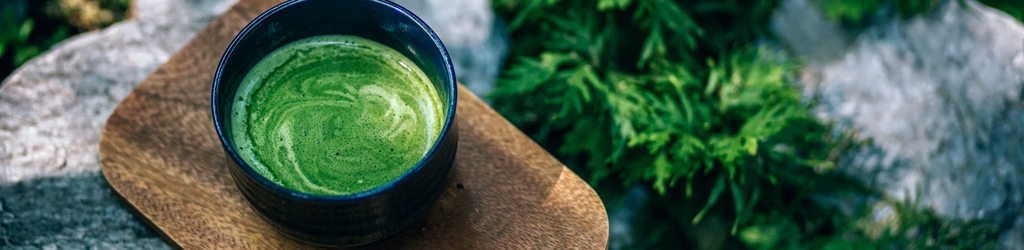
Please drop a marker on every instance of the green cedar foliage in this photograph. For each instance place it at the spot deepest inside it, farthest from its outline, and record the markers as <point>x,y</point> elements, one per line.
<point>858,11</point>
<point>647,95</point>
<point>905,226</point>
<point>672,94</point>
<point>14,37</point>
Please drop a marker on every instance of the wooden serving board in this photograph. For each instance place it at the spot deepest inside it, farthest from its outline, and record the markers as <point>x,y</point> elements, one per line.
<point>161,155</point>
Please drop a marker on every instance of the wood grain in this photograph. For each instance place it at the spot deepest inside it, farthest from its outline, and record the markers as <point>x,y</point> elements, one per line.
<point>161,155</point>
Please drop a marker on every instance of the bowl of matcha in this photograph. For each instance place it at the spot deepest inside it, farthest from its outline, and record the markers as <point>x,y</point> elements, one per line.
<point>338,118</point>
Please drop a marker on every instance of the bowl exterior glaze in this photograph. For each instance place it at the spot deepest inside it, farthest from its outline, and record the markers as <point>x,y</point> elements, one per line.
<point>359,218</point>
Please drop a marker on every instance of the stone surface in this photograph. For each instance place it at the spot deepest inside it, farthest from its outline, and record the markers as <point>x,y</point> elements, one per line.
<point>806,32</point>
<point>79,213</point>
<point>53,109</point>
<point>939,98</point>
<point>51,113</point>
<point>624,213</point>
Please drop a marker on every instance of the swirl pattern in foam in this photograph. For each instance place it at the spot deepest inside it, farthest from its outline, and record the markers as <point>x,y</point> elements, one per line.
<point>335,115</point>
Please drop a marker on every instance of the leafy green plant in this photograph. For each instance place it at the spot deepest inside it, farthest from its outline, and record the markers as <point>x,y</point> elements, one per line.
<point>855,11</point>
<point>88,15</point>
<point>905,225</point>
<point>1014,8</point>
<point>14,35</point>
<point>26,34</point>
<point>637,89</point>
<point>674,95</point>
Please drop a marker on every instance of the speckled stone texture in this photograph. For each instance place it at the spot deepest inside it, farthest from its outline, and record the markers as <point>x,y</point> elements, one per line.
<point>79,213</point>
<point>52,110</point>
<point>939,96</point>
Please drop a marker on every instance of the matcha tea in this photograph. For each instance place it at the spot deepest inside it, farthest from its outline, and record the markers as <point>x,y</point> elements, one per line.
<point>335,115</point>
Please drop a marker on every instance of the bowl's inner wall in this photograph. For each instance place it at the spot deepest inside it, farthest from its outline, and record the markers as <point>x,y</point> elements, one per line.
<point>363,18</point>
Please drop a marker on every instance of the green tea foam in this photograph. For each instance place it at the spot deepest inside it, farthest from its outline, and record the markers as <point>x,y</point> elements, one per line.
<point>335,115</point>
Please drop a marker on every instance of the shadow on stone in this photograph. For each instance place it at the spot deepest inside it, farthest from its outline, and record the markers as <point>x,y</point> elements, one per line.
<point>76,212</point>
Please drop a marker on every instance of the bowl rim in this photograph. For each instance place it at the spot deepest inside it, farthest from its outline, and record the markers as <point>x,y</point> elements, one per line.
<point>228,146</point>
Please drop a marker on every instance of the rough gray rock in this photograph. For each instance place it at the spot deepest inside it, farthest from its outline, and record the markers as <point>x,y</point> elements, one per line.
<point>623,216</point>
<point>806,32</point>
<point>53,108</point>
<point>940,98</point>
<point>79,213</point>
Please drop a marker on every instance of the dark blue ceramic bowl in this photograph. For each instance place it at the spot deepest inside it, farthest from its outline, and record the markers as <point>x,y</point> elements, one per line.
<point>360,218</point>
